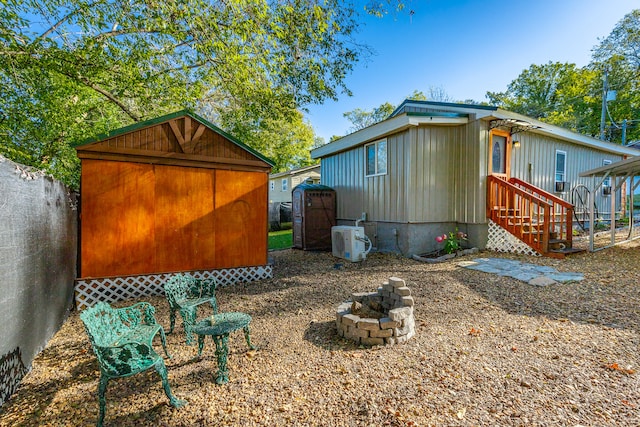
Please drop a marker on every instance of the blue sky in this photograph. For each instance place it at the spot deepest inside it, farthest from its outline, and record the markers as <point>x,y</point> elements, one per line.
<point>466,47</point>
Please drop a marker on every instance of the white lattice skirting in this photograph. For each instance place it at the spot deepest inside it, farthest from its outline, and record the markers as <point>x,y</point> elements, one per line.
<point>500,240</point>
<point>113,289</point>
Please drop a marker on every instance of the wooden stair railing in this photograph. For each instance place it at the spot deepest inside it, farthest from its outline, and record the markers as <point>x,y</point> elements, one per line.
<point>561,222</point>
<point>536,217</point>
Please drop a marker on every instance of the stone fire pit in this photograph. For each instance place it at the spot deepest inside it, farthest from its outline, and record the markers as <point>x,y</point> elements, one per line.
<point>378,318</point>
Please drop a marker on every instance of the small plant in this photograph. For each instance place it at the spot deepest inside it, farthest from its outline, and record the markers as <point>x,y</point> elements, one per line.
<point>452,242</point>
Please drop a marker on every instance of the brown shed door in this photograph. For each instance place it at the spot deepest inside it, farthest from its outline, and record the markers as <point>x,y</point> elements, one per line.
<point>142,218</point>
<point>185,219</point>
<point>296,209</point>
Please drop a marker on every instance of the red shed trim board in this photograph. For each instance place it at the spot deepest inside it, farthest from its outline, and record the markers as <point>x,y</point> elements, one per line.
<point>172,194</point>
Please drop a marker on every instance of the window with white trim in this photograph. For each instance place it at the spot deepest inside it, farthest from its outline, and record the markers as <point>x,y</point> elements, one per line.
<point>284,184</point>
<point>561,166</point>
<point>376,158</point>
<point>273,185</point>
<point>607,180</point>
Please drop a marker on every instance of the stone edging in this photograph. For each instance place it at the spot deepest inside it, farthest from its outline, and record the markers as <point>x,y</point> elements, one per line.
<point>446,256</point>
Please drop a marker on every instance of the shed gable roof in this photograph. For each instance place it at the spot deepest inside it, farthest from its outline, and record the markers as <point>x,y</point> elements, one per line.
<point>181,138</point>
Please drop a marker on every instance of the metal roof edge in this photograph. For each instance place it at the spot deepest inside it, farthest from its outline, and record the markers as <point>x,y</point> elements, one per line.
<point>622,166</point>
<point>443,104</point>
<point>294,171</point>
<point>568,135</point>
<point>383,129</point>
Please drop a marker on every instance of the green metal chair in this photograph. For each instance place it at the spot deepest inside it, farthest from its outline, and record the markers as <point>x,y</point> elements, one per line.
<point>184,294</point>
<point>121,339</point>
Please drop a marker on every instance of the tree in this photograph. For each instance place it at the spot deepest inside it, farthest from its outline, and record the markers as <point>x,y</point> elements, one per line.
<point>361,119</point>
<point>71,69</point>
<point>434,93</point>
<point>623,41</point>
<point>285,140</point>
<point>568,96</point>
<point>537,91</point>
<point>619,55</point>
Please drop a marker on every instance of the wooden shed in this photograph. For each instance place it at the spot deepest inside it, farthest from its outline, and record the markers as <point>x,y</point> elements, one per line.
<point>168,195</point>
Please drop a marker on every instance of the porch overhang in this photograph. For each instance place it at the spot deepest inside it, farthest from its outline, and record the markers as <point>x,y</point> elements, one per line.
<point>618,173</point>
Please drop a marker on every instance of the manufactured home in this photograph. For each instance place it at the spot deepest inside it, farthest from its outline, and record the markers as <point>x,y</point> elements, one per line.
<point>282,184</point>
<point>172,194</point>
<point>433,167</point>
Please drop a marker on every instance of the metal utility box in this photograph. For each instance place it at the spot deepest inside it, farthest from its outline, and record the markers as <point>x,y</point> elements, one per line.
<point>314,213</point>
<point>348,242</point>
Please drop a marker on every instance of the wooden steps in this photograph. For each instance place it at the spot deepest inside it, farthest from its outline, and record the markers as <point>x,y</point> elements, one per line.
<point>539,219</point>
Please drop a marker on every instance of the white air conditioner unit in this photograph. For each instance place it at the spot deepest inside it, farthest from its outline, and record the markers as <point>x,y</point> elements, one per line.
<point>348,242</point>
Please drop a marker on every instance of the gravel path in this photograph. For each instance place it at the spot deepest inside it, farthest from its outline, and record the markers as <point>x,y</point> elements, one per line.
<point>489,350</point>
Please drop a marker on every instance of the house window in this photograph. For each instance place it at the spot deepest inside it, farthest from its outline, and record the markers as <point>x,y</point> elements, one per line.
<point>273,185</point>
<point>376,158</point>
<point>284,184</point>
<point>561,166</point>
<point>606,184</point>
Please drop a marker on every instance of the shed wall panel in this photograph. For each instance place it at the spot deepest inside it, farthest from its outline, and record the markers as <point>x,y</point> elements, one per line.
<point>184,217</point>
<point>118,221</point>
<point>240,225</point>
<point>142,218</point>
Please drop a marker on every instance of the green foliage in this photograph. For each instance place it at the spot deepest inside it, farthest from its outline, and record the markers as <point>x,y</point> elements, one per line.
<point>361,119</point>
<point>286,140</point>
<point>434,93</point>
<point>452,241</point>
<point>538,91</point>
<point>571,97</point>
<point>72,69</point>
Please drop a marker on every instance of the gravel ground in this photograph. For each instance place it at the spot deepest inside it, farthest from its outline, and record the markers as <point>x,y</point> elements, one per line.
<point>489,350</point>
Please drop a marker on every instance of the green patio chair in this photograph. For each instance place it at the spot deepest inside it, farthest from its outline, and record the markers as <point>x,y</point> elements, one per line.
<point>121,339</point>
<point>184,294</point>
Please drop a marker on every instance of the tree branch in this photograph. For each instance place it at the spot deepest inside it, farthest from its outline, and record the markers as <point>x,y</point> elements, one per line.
<point>104,93</point>
<point>62,21</point>
<point>116,33</point>
<point>110,97</point>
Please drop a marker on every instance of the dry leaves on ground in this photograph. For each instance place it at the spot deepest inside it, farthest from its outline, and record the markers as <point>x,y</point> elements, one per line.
<point>489,350</point>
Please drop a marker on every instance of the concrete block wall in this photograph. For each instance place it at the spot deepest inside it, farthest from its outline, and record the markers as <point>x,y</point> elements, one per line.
<point>38,249</point>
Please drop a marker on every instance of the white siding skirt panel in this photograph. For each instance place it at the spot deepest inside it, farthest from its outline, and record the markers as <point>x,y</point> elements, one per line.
<point>112,289</point>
